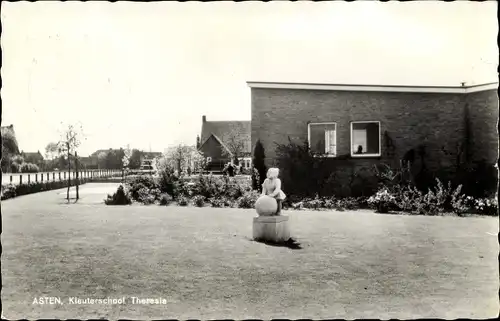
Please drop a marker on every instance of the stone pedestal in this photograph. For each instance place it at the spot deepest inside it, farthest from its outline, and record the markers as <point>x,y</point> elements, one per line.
<point>271,228</point>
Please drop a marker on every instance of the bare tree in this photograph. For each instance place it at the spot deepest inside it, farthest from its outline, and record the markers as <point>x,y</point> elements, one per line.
<point>68,145</point>
<point>233,144</point>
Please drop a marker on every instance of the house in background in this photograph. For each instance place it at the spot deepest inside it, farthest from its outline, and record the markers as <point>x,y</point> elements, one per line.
<point>150,156</point>
<point>112,158</point>
<point>372,124</point>
<point>34,158</point>
<point>220,140</point>
<point>149,160</point>
<point>89,162</point>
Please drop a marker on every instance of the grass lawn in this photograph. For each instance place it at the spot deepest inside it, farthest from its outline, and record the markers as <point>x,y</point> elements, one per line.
<point>203,262</point>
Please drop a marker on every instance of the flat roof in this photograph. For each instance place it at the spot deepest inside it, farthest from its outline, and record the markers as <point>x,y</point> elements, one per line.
<point>380,88</point>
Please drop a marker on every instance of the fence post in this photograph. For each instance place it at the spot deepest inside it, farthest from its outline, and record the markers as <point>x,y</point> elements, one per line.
<point>29,178</point>
<point>20,179</point>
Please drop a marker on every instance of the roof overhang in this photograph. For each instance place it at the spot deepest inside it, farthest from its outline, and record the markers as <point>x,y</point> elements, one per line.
<point>218,140</point>
<point>376,88</point>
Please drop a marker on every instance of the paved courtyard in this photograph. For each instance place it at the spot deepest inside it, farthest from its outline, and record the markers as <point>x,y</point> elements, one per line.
<point>203,263</point>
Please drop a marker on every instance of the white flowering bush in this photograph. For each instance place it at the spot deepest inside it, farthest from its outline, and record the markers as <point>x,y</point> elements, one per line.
<point>486,206</point>
<point>383,200</point>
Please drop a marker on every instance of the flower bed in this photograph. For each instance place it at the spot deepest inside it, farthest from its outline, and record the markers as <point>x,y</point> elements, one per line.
<point>223,191</point>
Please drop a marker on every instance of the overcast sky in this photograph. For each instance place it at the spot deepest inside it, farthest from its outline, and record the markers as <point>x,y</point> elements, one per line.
<point>144,73</point>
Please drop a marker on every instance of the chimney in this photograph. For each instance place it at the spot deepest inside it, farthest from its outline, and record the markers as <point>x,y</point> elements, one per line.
<point>203,118</point>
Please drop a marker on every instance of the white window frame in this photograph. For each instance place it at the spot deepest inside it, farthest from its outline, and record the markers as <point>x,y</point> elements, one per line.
<point>247,162</point>
<point>323,123</point>
<point>379,138</point>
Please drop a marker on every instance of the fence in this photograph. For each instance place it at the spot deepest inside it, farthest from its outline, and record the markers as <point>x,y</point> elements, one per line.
<point>24,178</point>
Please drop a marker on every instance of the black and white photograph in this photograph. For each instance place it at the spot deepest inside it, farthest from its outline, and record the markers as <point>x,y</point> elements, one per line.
<point>249,160</point>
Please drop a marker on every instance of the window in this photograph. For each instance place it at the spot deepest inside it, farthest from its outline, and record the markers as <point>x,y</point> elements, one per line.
<point>323,138</point>
<point>365,138</point>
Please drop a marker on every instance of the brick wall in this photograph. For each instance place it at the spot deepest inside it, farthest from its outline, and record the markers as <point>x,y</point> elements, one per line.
<point>410,119</point>
<point>483,115</point>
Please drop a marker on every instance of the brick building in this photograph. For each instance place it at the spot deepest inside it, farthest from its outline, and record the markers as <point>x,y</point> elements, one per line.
<point>34,158</point>
<point>377,123</point>
<point>219,139</point>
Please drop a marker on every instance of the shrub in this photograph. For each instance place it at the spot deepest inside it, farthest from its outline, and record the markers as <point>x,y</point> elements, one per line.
<point>215,187</point>
<point>479,179</point>
<point>306,174</point>
<point>298,169</point>
<point>248,199</point>
<point>461,203</point>
<point>407,198</point>
<point>382,201</point>
<point>165,199</point>
<point>438,199</point>
<point>208,186</point>
<point>168,181</point>
<point>148,196</point>
<point>29,168</point>
<point>259,167</point>
<point>141,182</point>
<point>231,188</point>
<point>486,206</point>
<point>220,202</point>
<point>182,200</point>
<point>314,204</point>
<point>8,191</point>
<point>363,182</point>
<point>120,197</point>
<point>199,200</point>
<point>350,203</point>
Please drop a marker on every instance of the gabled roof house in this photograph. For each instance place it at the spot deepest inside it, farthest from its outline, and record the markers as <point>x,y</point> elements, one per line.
<point>219,136</point>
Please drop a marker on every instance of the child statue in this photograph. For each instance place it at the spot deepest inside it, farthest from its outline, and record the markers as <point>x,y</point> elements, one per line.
<point>272,187</point>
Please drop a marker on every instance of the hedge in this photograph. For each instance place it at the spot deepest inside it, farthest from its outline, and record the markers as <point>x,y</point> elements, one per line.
<point>11,191</point>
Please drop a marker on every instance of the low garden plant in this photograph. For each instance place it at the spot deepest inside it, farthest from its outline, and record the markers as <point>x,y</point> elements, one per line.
<point>248,199</point>
<point>165,199</point>
<point>182,201</point>
<point>382,201</point>
<point>199,200</point>
<point>120,197</point>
